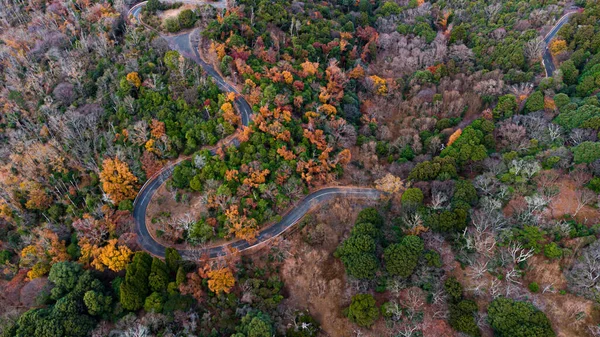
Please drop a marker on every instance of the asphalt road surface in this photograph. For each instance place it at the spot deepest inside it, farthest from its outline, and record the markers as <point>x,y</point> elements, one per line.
<point>547,57</point>
<point>184,45</point>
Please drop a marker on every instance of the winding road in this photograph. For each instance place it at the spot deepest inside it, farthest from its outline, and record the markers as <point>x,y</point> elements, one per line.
<point>547,56</point>
<point>184,45</point>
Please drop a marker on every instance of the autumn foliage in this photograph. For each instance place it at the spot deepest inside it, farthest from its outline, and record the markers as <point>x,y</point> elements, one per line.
<point>112,256</point>
<point>558,46</point>
<point>453,137</point>
<point>220,280</point>
<point>117,180</point>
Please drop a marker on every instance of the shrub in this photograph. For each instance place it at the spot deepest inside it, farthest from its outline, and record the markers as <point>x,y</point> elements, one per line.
<point>515,318</point>
<point>363,310</point>
<point>552,251</point>
<point>370,215</point>
<point>412,196</point>
<point>534,287</point>
<point>535,102</point>
<point>402,258</point>
<point>586,152</point>
<point>187,19</point>
<point>172,25</point>
<point>154,303</point>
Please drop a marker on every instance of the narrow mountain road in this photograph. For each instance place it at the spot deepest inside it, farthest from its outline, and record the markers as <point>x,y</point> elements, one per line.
<point>183,44</point>
<point>547,56</point>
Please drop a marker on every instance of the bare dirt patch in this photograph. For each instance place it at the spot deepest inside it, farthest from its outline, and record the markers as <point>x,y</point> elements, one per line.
<point>565,203</point>
<point>314,279</point>
<point>163,208</point>
<point>172,13</point>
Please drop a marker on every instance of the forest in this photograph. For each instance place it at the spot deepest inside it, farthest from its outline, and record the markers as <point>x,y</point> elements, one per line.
<point>471,126</point>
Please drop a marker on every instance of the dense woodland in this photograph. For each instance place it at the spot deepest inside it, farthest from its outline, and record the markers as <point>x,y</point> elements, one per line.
<point>490,226</point>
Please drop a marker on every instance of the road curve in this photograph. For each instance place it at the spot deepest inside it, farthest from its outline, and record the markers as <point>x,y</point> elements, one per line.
<point>183,44</point>
<point>547,56</point>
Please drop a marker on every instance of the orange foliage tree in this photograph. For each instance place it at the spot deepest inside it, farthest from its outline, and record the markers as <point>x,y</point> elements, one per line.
<point>157,129</point>
<point>220,280</point>
<point>117,180</point>
<point>454,136</point>
<point>240,226</point>
<point>229,114</point>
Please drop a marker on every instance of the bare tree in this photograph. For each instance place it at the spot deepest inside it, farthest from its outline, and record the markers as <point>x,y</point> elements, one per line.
<point>583,197</point>
<point>584,276</point>
<point>534,49</point>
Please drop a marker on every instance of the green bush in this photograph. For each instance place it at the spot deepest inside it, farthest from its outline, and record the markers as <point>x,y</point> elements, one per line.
<point>586,152</point>
<point>462,317</point>
<point>187,19</point>
<point>552,251</point>
<point>534,287</point>
<point>154,303</point>
<point>506,107</point>
<point>401,258</point>
<point>535,102</point>
<point>172,25</point>
<point>412,196</point>
<point>363,310</point>
<point>510,318</point>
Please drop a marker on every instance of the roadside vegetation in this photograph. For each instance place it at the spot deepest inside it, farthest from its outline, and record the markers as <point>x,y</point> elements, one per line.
<point>492,171</point>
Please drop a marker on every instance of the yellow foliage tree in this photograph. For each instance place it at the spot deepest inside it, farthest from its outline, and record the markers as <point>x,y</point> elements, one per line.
<point>134,79</point>
<point>111,257</point>
<point>454,136</point>
<point>220,280</point>
<point>390,184</point>
<point>328,109</point>
<point>39,269</point>
<point>558,46</point>
<point>117,180</point>
<point>287,77</point>
<point>229,114</point>
<point>379,85</point>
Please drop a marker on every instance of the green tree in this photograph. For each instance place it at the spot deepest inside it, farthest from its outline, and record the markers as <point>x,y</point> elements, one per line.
<point>153,5</point>
<point>506,107</point>
<point>172,25</point>
<point>370,215</point>
<point>172,259</point>
<point>154,303</point>
<point>96,303</point>
<point>586,152</point>
<point>159,276</point>
<point>135,288</point>
<point>362,265</point>
<point>187,18</point>
<point>363,310</point>
<point>462,317</point>
<point>401,258</point>
<point>64,275</point>
<point>570,72</point>
<point>255,324</point>
<point>518,319</point>
<point>454,289</point>
<point>535,102</point>
<point>412,196</point>
<point>552,251</point>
